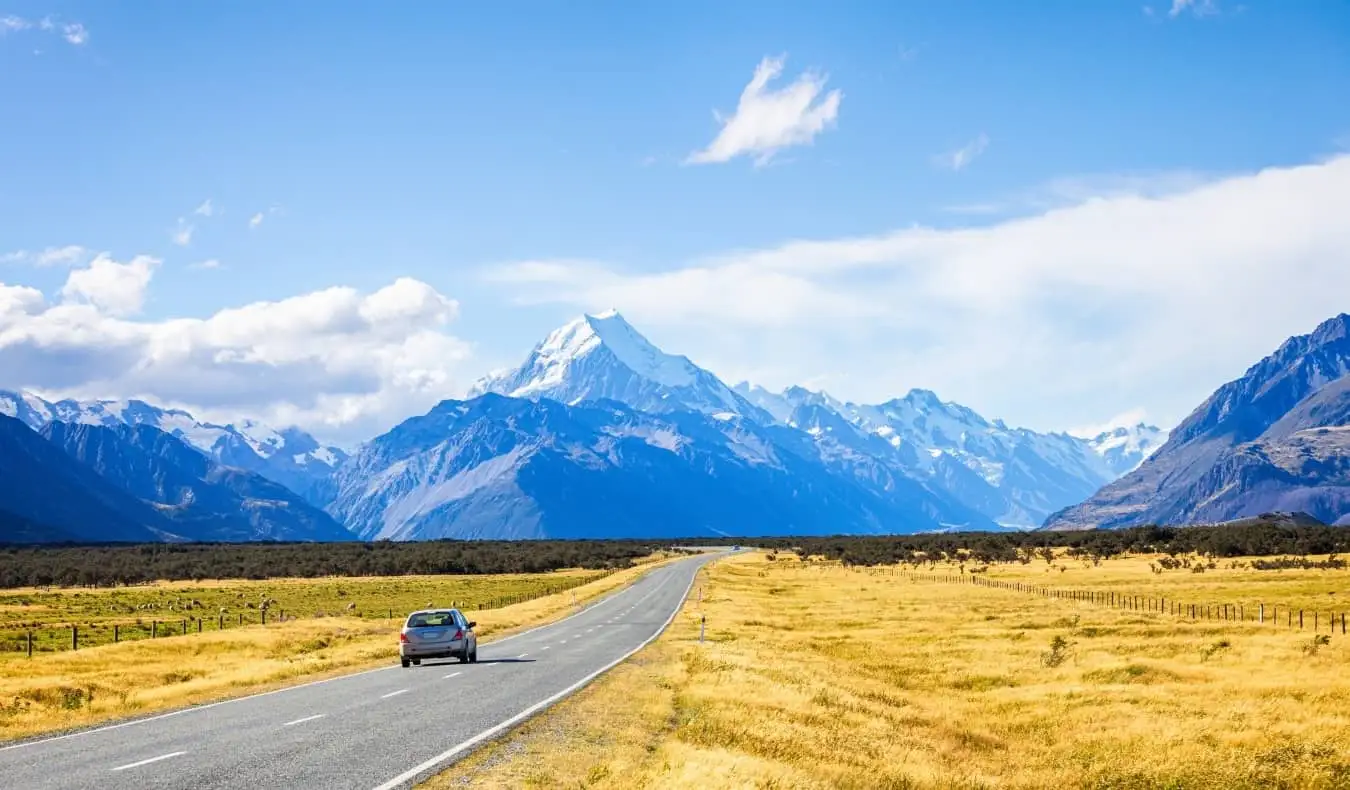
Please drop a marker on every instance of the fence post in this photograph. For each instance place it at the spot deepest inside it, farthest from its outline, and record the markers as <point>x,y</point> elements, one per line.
<point>184,624</point>
<point>241,618</point>
<point>199,625</point>
<point>117,634</point>
<point>30,644</point>
<point>1261,613</point>
<point>74,637</point>
<point>154,628</point>
<point>263,613</point>
<point>702,626</point>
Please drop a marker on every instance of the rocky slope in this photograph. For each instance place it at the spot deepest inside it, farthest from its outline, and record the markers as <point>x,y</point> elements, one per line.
<point>1277,438</point>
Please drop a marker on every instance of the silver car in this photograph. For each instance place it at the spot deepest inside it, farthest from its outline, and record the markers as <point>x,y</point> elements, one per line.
<point>437,633</point>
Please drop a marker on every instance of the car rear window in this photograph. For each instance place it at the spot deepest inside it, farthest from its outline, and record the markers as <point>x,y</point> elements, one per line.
<point>431,620</point>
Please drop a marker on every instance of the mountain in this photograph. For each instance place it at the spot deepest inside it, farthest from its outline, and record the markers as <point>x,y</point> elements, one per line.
<point>602,357</point>
<point>1124,448</point>
<point>202,498</point>
<point>1014,476</point>
<point>290,457</point>
<point>1275,439</point>
<point>504,467</point>
<point>47,496</point>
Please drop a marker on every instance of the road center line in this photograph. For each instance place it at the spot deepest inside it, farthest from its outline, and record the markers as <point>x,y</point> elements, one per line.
<point>147,762</point>
<point>302,721</point>
<point>452,675</point>
<point>394,693</point>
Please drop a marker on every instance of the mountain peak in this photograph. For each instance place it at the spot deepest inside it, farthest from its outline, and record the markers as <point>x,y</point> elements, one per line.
<point>602,357</point>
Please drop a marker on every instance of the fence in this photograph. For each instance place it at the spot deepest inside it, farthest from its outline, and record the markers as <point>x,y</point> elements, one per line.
<point>1318,620</point>
<point>58,637</point>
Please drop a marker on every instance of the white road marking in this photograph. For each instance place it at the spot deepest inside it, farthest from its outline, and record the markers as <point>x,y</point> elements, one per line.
<point>417,770</point>
<point>452,675</point>
<point>545,647</point>
<point>147,762</point>
<point>394,693</point>
<point>522,655</point>
<point>562,642</point>
<point>302,721</point>
<point>608,598</point>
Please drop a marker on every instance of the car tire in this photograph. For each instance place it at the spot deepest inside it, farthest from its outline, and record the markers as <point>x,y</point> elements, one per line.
<point>405,662</point>
<point>417,662</point>
<point>463,656</point>
<point>473,656</point>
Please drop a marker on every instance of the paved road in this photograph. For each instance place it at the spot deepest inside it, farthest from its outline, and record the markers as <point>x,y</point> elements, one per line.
<point>383,728</point>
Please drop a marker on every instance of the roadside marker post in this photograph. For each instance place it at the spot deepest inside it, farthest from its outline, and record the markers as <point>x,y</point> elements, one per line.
<point>702,627</point>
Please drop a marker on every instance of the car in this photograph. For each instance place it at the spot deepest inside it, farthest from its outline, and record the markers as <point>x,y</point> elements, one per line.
<point>437,633</point>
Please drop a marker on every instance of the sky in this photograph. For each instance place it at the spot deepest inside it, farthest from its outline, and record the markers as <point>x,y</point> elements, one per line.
<point>1061,214</point>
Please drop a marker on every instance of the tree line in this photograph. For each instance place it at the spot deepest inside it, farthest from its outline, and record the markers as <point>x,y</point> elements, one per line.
<point>111,565</point>
<point>1235,540</point>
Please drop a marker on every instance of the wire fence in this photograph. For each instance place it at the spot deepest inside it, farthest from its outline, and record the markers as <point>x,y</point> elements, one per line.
<point>1274,614</point>
<point>60,637</point>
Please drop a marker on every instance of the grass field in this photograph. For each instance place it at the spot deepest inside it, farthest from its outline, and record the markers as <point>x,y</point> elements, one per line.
<point>59,690</point>
<point>827,677</point>
<point>49,613</point>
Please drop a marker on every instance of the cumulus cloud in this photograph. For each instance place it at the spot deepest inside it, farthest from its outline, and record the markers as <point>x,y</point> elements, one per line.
<point>182,235</point>
<point>211,263</point>
<point>206,209</point>
<point>255,220</point>
<point>958,159</point>
<point>114,288</point>
<point>1050,320</point>
<point>340,362</point>
<point>768,120</point>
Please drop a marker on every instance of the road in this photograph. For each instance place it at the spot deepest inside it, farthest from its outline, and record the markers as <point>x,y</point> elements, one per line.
<point>383,728</point>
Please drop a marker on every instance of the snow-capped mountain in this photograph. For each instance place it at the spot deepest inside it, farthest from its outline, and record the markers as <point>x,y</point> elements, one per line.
<point>1015,476</point>
<point>290,457</point>
<point>1124,448</point>
<point>498,467</point>
<point>598,357</point>
<point>1275,439</point>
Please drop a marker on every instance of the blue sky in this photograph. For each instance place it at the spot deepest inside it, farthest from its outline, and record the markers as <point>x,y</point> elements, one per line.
<point>449,143</point>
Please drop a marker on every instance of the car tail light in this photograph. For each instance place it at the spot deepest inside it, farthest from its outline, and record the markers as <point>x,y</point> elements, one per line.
<point>459,633</point>
<point>402,637</point>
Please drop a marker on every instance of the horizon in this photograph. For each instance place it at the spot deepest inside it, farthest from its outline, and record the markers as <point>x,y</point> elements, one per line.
<point>362,217</point>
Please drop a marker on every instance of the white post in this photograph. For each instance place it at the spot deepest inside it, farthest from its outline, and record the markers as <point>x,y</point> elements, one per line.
<point>702,626</point>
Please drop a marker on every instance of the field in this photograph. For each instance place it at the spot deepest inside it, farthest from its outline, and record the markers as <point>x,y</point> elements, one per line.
<point>169,607</point>
<point>823,676</point>
<point>57,690</point>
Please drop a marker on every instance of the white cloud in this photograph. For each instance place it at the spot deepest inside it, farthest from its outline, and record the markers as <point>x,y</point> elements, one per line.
<point>1196,7</point>
<point>958,159</point>
<point>182,235</point>
<point>205,209</point>
<point>1126,419</point>
<point>336,361</point>
<point>255,220</point>
<point>211,263</point>
<point>117,289</point>
<point>1051,320</point>
<point>51,256</point>
<point>74,33</point>
<point>768,120</point>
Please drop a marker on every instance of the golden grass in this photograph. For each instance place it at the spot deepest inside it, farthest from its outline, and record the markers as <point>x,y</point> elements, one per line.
<point>57,691</point>
<point>831,678</point>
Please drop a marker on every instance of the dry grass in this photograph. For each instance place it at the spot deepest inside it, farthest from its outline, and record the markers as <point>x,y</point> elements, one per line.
<point>829,678</point>
<point>56,691</point>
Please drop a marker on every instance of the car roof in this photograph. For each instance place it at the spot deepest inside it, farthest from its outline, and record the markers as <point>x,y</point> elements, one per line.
<point>432,611</point>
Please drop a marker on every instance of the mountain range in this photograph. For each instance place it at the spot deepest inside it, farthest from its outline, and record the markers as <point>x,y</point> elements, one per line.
<point>1275,439</point>
<point>598,433</point>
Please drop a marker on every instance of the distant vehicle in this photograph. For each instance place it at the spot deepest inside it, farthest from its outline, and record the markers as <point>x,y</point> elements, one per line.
<point>437,633</point>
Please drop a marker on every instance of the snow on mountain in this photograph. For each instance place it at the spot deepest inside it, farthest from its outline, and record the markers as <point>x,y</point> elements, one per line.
<point>1274,439</point>
<point>499,467</point>
<point>602,357</point>
<point>1124,448</point>
<point>290,457</point>
<point>1013,475</point>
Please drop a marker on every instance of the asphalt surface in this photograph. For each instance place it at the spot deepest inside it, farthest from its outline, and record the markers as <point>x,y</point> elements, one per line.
<point>382,728</point>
